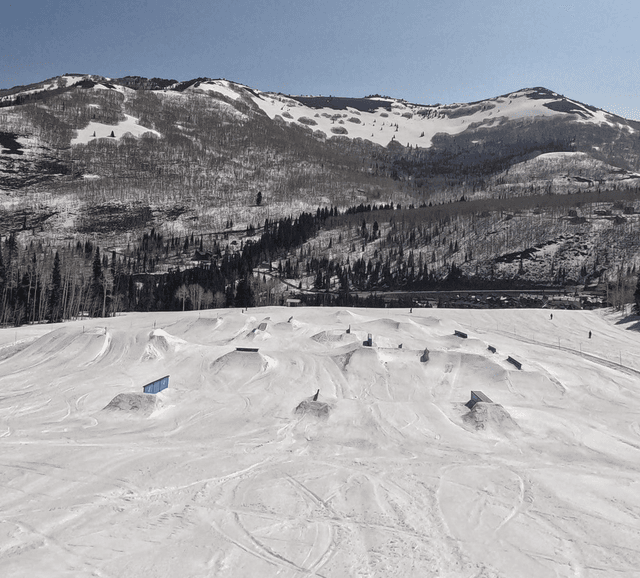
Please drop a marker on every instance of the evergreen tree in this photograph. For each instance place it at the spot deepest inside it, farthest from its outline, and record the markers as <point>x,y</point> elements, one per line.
<point>228,297</point>
<point>97,266</point>
<point>344,294</point>
<point>3,275</point>
<point>244,294</point>
<point>259,198</point>
<point>97,283</point>
<point>56,291</point>
<point>636,296</point>
<point>11,257</point>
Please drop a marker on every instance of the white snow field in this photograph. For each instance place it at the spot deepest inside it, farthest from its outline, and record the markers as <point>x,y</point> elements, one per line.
<point>386,474</point>
<point>98,130</point>
<point>403,122</point>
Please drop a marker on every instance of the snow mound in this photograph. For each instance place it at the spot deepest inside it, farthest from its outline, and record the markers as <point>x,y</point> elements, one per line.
<point>489,417</point>
<point>205,323</point>
<point>258,334</point>
<point>330,336</point>
<point>382,325</point>
<point>151,352</point>
<point>238,367</point>
<point>165,341</point>
<point>363,358</point>
<point>354,360</point>
<point>140,404</point>
<point>161,342</point>
<point>346,316</point>
<point>67,344</point>
<point>428,321</point>
<point>314,408</point>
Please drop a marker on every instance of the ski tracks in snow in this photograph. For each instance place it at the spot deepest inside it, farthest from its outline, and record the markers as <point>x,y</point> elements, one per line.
<point>353,521</point>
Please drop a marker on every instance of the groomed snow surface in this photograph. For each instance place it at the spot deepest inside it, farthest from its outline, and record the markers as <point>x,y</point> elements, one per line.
<point>235,470</point>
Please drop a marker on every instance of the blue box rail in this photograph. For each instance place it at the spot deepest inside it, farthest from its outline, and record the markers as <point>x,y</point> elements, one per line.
<point>157,385</point>
<point>477,396</point>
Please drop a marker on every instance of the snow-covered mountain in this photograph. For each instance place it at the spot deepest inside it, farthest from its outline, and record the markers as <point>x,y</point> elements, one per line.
<point>86,155</point>
<point>382,120</point>
<point>58,129</point>
<point>376,119</point>
<point>232,136</point>
<point>236,470</point>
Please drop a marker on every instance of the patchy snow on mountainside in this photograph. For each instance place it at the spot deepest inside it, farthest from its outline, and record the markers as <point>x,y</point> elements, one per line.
<point>394,120</point>
<point>312,454</point>
<point>416,125</point>
<point>221,87</point>
<point>99,130</point>
<point>579,171</point>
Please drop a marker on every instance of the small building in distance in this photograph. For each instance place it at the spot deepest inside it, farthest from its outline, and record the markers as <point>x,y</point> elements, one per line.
<point>293,302</point>
<point>477,396</point>
<point>157,385</point>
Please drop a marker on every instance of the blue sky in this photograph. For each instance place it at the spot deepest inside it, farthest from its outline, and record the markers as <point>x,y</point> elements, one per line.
<point>424,51</point>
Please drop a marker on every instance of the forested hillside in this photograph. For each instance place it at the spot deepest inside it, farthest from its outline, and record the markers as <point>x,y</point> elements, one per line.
<point>144,194</point>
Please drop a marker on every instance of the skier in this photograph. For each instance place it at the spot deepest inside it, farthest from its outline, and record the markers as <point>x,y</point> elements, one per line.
<point>551,316</point>
<point>589,334</point>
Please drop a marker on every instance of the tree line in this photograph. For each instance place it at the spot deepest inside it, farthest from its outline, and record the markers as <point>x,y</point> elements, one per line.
<point>364,248</point>
<point>38,284</point>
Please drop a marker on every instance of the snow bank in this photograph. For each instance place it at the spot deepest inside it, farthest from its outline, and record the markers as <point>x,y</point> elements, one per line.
<point>138,404</point>
<point>491,418</point>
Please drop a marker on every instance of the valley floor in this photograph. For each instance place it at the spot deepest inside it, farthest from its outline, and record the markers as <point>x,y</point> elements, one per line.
<point>386,474</point>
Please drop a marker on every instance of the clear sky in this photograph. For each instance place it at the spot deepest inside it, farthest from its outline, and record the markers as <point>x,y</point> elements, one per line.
<point>425,51</point>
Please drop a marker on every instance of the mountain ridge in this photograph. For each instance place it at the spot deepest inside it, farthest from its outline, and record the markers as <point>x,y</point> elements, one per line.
<point>156,83</point>
<point>85,158</point>
<point>373,121</point>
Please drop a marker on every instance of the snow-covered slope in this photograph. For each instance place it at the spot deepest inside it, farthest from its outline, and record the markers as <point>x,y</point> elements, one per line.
<point>217,143</point>
<point>98,130</point>
<point>383,120</point>
<point>380,120</point>
<point>64,81</point>
<point>567,172</point>
<point>387,473</point>
<point>386,120</point>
